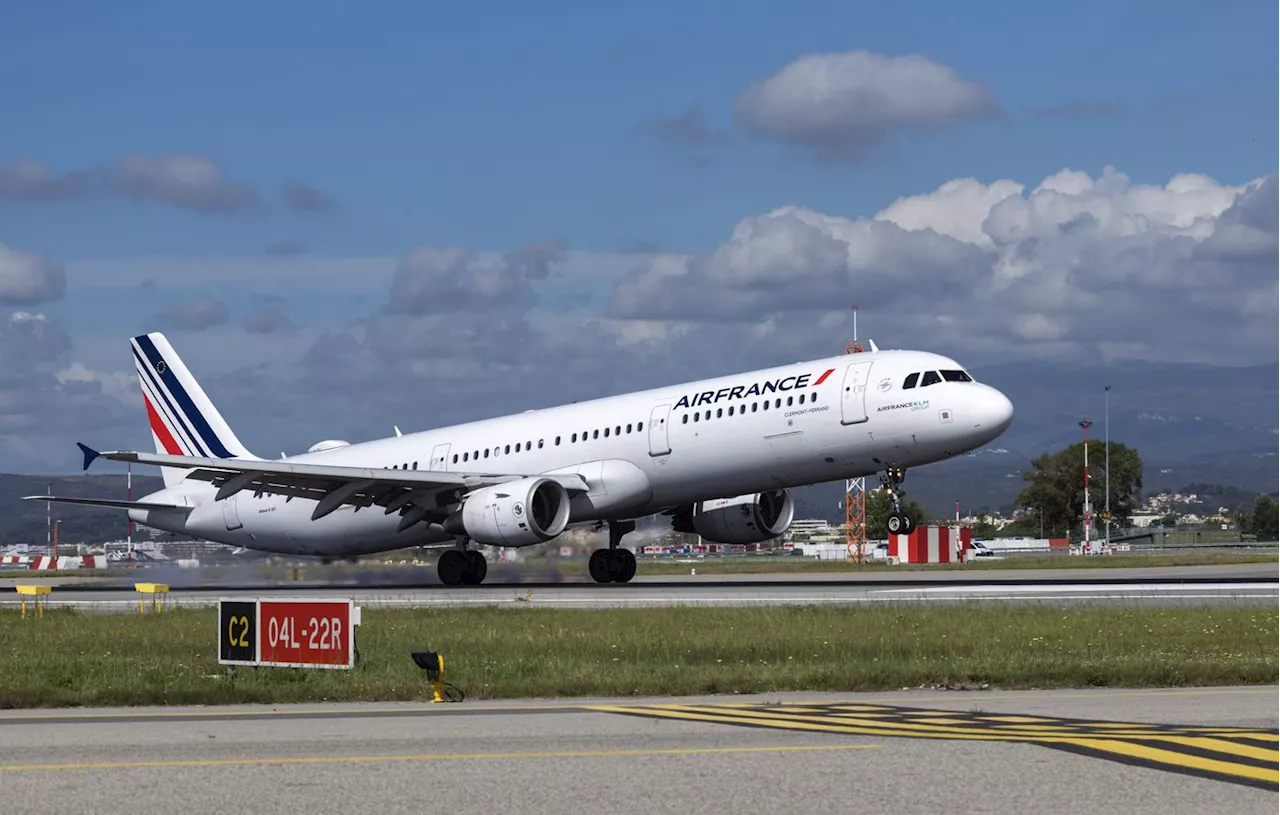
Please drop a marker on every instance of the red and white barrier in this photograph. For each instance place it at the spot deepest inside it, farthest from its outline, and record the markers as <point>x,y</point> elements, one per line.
<point>15,560</point>
<point>932,544</point>
<point>45,563</point>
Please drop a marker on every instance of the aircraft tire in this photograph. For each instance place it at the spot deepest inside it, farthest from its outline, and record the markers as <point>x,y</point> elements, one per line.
<point>477,568</point>
<point>622,565</point>
<point>451,567</point>
<point>599,566</point>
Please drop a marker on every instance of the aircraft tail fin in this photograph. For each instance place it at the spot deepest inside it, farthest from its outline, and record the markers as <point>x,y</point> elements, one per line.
<point>183,420</point>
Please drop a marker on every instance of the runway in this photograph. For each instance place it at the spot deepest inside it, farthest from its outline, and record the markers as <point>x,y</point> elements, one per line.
<point>1190,585</point>
<point>1076,752</point>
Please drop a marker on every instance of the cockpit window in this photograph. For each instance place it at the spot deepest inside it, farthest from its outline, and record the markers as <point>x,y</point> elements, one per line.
<point>911,381</point>
<point>956,376</point>
<point>930,378</point>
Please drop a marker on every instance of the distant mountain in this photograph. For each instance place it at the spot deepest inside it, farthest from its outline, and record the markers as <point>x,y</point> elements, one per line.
<point>25,521</point>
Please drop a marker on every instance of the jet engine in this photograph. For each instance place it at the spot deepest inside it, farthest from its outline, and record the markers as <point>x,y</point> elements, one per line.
<point>519,513</point>
<point>749,518</point>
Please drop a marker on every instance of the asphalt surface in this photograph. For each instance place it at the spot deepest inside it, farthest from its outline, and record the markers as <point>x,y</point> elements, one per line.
<point>1256,583</point>
<point>785,753</point>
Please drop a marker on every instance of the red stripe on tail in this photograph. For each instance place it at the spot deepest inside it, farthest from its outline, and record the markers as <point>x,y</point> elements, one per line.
<point>162,433</point>
<point>823,378</point>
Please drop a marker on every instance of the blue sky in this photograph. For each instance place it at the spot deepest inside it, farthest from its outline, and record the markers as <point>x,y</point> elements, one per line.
<point>494,126</point>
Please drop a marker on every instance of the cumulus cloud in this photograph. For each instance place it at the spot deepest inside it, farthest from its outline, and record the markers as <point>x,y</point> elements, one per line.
<point>266,320</point>
<point>29,341</point>
<point>29,180</point>
<point>27,279</point>
<point>194,315</point>
<point>191,182</point>
<point>689,127</point>
<point>429,280</point>
<point>1077,266</point>
<point>839,105</point>
<point>305,198</point>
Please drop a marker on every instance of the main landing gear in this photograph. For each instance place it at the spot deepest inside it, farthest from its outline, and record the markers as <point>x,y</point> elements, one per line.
<point>462,566</point>
<point>614,565</point>
<point>899,523</point>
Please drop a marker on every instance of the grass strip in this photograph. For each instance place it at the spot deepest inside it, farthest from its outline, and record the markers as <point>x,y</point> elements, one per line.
<point>69,658</point>
<point>800,565</point>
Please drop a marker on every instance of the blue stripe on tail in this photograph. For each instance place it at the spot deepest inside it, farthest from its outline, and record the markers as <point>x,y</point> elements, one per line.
<point>184,401</point>
<point>180,423</point>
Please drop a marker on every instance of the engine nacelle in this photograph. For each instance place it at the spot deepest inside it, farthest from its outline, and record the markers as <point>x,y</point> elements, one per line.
<point>745,519</point>
<point>519,513</point>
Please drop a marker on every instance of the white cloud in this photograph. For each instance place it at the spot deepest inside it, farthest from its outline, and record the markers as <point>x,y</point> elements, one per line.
<point>188,181</point>
<point>116,384</point>
<point>1075,267</point>
<point>27,279</point>
<point>841,104</point>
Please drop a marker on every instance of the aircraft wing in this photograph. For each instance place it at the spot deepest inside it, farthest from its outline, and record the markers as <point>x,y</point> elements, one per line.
<point>413,492</point>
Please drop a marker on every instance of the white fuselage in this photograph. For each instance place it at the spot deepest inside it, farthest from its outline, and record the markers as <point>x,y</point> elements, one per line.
<point>641,452</point>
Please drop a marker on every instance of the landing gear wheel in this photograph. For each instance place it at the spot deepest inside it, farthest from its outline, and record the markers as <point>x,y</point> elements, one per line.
<point>452,567</point>
<point>900,524</point>
<point>477,568</point>
<point>599,565</point>
<point>622,565</point>
<point>896,522</point>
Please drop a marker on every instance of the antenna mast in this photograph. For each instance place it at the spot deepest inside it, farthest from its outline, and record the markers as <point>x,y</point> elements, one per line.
<point>855,489</point>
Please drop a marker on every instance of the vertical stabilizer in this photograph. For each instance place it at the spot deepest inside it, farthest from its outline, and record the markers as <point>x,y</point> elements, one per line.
<point>182,418</point>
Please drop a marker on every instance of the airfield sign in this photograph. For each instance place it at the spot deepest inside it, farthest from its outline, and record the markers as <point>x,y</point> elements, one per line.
<point>292,632</point>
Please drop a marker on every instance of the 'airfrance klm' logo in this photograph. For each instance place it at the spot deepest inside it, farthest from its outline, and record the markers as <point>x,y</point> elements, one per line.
<point>786,383</point>
<point>917,405</point>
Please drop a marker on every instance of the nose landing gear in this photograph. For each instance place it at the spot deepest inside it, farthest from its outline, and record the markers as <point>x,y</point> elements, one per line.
<point>899,522</point>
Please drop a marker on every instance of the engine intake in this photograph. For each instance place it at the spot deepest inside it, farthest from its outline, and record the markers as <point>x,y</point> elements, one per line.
<point>751,518</point>
<point>519,513</point>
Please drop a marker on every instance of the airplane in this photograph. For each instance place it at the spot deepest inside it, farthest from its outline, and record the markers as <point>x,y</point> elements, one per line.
<point>718,456</point>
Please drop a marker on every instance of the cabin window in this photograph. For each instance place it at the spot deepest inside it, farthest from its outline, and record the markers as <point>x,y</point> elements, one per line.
<point>507,449</point>
<point>475,454</point>
<point>777,402</point>
<point>465,456</point>
<point>697,416</point>
<point>764,405</point>
<point>684,419</point>
<point>540,444</point>
<point>486,452</point>
<point>719,413</point>
<point>628,428</point>
<point>415,465</point>
<point>606,432</point>
<point>813,397</point>
<point>788,401</point>
<point>639,426</point>
<point>910,381</point>
<point>455,458</point>
<point>595,434</point>
<point>956,376</point>
<point>754,407</point>
<point>557,441</point>
<point>574,438</point>
<point>930,378</point>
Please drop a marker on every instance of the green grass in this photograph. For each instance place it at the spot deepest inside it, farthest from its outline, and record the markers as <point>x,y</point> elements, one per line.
<point>69,658</point>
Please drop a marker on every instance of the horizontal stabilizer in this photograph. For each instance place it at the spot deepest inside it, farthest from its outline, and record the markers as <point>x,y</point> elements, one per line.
<point>106,502</point>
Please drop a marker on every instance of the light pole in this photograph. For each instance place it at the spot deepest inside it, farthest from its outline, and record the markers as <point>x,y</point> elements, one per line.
<point>1086,424</point>
<point>1106,425</point>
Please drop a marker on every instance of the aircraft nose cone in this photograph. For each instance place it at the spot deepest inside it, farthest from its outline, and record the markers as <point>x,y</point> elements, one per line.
<point>999,411</point>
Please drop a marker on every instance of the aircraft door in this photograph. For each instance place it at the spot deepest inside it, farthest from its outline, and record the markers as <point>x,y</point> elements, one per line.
<point>853,395</point>
<point>229,513</point>
<point>439,457</point>
<point>659,444</point>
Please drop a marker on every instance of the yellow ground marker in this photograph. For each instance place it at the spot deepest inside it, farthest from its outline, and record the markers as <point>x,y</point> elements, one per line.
<point>37,595</point>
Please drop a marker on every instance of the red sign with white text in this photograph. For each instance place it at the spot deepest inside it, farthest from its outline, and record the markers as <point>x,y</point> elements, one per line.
<point>306,633</point>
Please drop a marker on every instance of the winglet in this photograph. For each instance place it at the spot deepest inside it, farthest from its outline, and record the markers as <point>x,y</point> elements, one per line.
<point>89,454</point>
<point>872,343</point>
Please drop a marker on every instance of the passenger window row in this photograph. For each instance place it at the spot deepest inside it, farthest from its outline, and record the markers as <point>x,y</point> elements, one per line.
<point>502,450</point>
<point>933,378</point>
<point>705,415</point>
